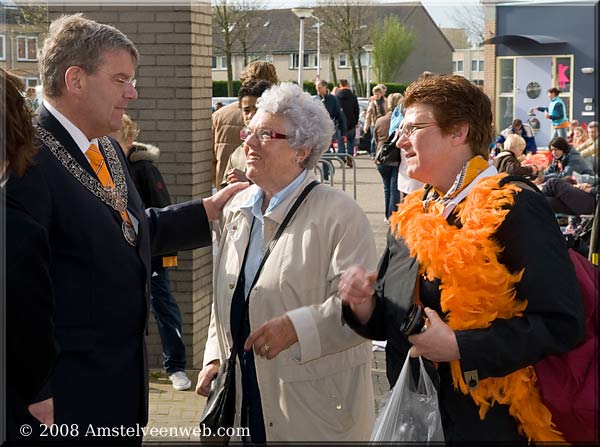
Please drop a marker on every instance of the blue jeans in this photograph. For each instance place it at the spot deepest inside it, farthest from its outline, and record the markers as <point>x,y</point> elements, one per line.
<point>341,144</point>
<point>168,319</point>
<point>350,138</point>
<point>389,175</point>
<point>562,132</point>
<point>373,147</point>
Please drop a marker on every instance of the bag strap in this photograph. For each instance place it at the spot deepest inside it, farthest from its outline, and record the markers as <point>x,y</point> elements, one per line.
<point>268,251</point>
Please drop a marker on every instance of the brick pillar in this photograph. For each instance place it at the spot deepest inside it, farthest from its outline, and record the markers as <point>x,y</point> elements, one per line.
<point>173,112</point>
<point>489,54</point>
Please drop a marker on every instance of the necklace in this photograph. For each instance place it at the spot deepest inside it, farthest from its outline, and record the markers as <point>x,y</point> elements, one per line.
<point>115,197</point>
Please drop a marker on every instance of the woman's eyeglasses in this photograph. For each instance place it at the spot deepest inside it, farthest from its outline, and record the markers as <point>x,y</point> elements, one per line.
<point>262,134</point>
<point>407,129</point>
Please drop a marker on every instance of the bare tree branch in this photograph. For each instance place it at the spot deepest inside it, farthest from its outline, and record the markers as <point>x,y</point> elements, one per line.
<point>346,29</point>
<point>471,19</point>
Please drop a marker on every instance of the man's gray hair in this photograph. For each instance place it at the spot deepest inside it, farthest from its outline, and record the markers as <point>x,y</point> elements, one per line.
<point>74,40</point>
<point>308,124</point>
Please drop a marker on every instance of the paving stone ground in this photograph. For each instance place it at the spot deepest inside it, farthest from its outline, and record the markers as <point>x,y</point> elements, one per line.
<point>174,414</point>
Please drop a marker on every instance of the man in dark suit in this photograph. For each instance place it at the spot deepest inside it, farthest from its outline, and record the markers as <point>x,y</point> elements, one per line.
<point>81,193</point>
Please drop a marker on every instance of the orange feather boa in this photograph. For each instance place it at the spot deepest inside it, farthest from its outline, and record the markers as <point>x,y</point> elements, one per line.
<point>476,289</point>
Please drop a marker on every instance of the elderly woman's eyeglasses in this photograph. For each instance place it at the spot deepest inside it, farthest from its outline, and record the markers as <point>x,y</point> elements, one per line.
<point>262,134</point>
<point>407,129</point>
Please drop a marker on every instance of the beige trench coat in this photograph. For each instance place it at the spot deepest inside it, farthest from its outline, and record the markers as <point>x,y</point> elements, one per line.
<point>319,389</point>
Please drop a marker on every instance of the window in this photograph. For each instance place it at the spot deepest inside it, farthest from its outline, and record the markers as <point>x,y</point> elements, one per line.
<point>459,66</point>
<point>476,65</point>
<point>310,60</point>
<point>219,62</point>
<point>507,75</point>
<point>27,48</point>
<point>505,104</point>
<point>562,74</point>
<point>343,60</point>
<point>2,47</point>
<point>31,82</point>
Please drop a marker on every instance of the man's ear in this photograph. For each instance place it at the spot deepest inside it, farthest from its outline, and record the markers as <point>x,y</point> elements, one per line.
<point>75,80</point>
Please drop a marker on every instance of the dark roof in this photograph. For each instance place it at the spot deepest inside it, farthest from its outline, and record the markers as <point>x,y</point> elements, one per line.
<point>280,28</point>
<point>508,39</point>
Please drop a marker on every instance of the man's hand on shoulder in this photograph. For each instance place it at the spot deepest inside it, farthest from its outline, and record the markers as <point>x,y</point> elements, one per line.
<point>214,204</point>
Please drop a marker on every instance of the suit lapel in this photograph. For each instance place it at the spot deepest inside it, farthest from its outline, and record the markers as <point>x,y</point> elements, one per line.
<point>51,124</point>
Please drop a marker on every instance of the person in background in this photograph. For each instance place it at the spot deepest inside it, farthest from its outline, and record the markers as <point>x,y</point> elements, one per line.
<point>349,105</point>
<point>458,248</point>
<point>572,125</point>
<point>556,112</point>
<point>565,161</point>
<point>377,108</point>
<point>31,348</point>
<point>79,191</point>
<point>153,191</point>
<point>524,130</point>
<point>397,115</point>
<point>580,137</point>
<point>249,93</point>
<point>389,171</point>
<point>218,105</point>
<point>336,114</point>
<point>508,158</point>
<point>305,376</point>
<point>228,121</point>
<point>589,149</point>
<point>31,100</point>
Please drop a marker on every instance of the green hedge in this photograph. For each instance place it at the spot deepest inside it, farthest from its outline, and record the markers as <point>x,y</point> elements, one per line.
<point>220,87</point>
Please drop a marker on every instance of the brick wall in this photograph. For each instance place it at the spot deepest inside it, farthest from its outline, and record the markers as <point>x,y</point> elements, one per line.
<point>489,54</point>
<point>173,112</point>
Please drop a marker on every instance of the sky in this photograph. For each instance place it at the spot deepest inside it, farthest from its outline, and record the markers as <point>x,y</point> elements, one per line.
<point>438,9</point>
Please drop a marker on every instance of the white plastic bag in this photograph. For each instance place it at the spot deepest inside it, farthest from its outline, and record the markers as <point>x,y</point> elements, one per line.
<point>410,414</point>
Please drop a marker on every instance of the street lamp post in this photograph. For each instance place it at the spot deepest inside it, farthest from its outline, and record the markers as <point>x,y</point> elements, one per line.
<point>369,49</point>
<point>318,25</point>
<point>301,13</point>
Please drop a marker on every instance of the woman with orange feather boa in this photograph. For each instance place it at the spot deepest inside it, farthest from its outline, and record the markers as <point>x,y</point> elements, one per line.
<point>486,258</point>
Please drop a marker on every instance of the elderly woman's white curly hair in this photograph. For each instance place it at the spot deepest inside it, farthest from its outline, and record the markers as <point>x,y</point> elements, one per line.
<point>308,124</point>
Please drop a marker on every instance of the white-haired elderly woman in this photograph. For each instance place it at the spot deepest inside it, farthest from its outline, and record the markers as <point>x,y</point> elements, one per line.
<point>303,374</point>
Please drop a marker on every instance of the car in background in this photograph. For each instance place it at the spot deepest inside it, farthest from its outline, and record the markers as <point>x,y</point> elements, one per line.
<point>223,100</point>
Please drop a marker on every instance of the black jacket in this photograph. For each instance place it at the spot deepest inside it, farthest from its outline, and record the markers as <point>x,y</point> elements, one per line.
<point>149,182</point>
<point>101,284</point>
<point>552,323</point>
<point>349,105</point>
<point>332,105</point>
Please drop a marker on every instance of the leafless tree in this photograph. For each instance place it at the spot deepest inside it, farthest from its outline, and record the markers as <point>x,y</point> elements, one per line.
<point>234,20</point>
<point>346,22</point>
<point>469,17</point>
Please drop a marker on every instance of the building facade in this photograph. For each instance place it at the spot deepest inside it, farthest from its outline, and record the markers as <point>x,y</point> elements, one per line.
<point>278,42</point>
<point>19,44</point>
<point>534,47</point>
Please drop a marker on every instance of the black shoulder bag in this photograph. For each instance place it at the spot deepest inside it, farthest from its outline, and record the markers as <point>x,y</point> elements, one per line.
<point>219,411</point>
<point>389,153</point>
